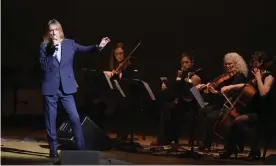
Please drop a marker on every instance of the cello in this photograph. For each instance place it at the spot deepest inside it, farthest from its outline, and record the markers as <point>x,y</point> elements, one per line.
<point>229,111</point>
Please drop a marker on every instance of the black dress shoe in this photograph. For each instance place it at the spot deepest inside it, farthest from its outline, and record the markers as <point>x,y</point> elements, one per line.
<point>202,147</point>
<point>228,153</point>
<point>55,158</point>
<point>254,155</point>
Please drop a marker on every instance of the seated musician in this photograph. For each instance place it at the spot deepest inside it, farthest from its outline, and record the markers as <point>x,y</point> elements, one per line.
<point>261,108</point>
<point>176,107</point>
<point>233,62</point>
<point>123,113</point>
<point>117,57</point>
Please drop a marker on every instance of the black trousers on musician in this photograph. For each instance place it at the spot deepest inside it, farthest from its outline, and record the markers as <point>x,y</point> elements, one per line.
<point>208,116</point>
<point>172,124</point>
<point>172,120</point>
<point>246,124</point>
<point>126,118</point>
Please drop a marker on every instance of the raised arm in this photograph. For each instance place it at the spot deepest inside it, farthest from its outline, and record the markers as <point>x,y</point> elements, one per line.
<point>45,60</point>
<point>196,80</point>
<point>264,87</point>
<point>81,48</point>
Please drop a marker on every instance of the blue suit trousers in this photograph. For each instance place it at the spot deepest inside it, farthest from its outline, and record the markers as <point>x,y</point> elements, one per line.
<point>50,111</point>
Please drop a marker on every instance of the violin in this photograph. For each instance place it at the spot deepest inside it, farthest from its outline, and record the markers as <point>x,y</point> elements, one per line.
<point>215,83</point>
<point>122,66</point>
<point>125,63</point>
<point>190,75</point>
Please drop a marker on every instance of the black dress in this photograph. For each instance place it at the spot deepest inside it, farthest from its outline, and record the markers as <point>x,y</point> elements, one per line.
<point>125,114</point>
<point>265,106</point>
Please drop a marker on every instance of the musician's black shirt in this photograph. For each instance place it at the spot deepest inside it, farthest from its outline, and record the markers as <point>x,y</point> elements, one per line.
<point>131,71</point>
<point>264,105</point>
<point>219,99</point>
<point>177,88</point>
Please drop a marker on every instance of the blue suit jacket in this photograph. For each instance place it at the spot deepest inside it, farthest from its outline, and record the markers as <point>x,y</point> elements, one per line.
<point>55,73</point>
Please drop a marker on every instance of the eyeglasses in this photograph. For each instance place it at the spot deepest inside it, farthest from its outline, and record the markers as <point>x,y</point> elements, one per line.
<point>118,53</point>
<point>185,62</point>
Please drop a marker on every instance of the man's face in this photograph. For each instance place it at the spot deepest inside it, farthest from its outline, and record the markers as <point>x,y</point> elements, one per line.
<point>54,32</point>
<point>186,63</point>
<point>229,65</point>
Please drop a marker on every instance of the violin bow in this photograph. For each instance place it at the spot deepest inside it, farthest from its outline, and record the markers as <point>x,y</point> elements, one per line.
<point>130,53</point>
<point>133,50</point>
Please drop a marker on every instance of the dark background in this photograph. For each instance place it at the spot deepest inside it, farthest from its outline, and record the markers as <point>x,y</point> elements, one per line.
<point>210,28</point>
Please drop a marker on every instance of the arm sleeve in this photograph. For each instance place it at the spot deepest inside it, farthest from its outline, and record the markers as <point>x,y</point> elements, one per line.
<point>46,61</point>
<point>132,71</point>
<point>91,48</point>
<point>239,78</point>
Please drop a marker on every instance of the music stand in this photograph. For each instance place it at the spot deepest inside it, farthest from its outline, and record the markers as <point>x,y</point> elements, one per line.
<point>127,87</point>
<point>147,88</point>
<point>98,80</point>
<point>108,79</point>
<point>119,88</point>
<point>200,101</point>
<point>143,90</point>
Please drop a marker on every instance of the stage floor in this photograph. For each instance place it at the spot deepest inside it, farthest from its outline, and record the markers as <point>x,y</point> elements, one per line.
<point>29,147</point>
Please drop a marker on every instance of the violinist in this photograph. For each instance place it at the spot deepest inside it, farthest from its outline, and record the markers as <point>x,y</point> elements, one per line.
<point>233,62</point>
<point>122,70</point>
<point>185,72</point>
<point>120,67</point>
<point>174,106</point>
<point>261,108</point>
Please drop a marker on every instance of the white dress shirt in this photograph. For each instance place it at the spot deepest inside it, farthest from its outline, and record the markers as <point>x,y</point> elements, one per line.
<point>57,53</point>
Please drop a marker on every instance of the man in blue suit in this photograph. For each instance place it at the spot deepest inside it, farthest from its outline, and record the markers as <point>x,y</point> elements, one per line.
<point>58,82</point>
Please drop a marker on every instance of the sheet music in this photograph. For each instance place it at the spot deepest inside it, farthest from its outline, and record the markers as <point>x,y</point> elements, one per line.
<point>146,85</point>
<point>119,88</point>
<point>108,79</point>
<point>198,97</point>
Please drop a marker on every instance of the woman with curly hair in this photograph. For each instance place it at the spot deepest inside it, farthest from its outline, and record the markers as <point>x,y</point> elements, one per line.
<point>260,110</point>
<point>233,62</point>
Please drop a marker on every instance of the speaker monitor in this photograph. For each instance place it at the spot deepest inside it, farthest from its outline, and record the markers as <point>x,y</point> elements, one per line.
<point>76,157</point>
<point>270,160</point>
<point>94,137</point>
<point>79,157</point>
<point>110,161</point>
